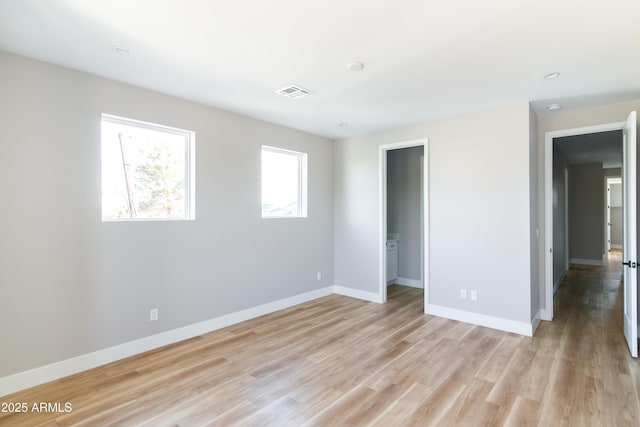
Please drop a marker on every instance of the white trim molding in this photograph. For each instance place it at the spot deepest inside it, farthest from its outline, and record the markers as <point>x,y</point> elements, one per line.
<point>543,314</point>
<point>616,246</point>
<point>43,374</point>
<point>586,261</point>
<point>521,328</point>
<point>536,321</point>
<point>357,293</point>
<point>408,282</point>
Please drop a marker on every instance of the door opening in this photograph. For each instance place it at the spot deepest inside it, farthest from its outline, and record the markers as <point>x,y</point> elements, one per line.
<point>561,250</point>
<point>629,237</point>
<point>415,231</point>
<point>613,224</point>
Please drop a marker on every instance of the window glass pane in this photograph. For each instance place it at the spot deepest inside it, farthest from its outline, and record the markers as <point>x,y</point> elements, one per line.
<point>282,192</point>
<point>144,172</point>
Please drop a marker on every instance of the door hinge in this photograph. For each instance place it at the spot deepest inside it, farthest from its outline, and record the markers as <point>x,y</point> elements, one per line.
<point>629,264</point>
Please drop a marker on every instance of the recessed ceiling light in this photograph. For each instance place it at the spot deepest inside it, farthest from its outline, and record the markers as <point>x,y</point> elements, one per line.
<point>343,124</point>
<point>355,66</point>
<point>554,107</point>
<point>121,50</point>
<point>552,76</point>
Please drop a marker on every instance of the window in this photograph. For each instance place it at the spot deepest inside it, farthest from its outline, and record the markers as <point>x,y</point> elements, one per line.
<point>147,171</point>
<point>284,183</point>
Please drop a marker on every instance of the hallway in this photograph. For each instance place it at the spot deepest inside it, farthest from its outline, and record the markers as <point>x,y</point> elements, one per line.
<point>594,380</point>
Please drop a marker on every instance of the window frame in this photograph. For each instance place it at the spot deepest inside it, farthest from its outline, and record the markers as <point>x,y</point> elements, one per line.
<point>189,166</point>
<point>302,180</point>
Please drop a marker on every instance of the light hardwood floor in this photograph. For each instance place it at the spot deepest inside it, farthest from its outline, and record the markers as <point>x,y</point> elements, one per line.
<point>341,361</point>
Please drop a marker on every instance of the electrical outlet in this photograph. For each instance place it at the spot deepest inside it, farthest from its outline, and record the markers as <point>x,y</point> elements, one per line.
<point>474,295</point>
<point>463,294</point>
<point>319,275</point>
<point>153,314</point>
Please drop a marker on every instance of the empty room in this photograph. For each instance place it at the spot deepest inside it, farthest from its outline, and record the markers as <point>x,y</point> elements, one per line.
<point>319,213</point>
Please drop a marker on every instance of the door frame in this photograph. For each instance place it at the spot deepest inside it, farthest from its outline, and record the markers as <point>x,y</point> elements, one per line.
<point>547,313</point>
<point>382,214</point>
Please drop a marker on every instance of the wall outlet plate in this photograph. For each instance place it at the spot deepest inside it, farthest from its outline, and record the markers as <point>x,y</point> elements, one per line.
<point>153,314</point>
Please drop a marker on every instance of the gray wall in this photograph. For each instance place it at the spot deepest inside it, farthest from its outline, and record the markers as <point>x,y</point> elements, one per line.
<point>615,199</point>
<point>586,215</point>
<point>560,213</point>
<point>478,164</point>
<point>403,207</point>
<point>616,226</point>
<point>534,235</point>
<point>72,284</point>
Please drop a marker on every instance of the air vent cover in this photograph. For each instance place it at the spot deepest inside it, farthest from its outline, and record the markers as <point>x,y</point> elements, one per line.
<point>293,92</point>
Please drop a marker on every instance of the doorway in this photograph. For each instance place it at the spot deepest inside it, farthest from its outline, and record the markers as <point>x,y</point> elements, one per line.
<point>553,259</point>
<point>613,226</point>
<point>421,234</point>
<point>629,221</point>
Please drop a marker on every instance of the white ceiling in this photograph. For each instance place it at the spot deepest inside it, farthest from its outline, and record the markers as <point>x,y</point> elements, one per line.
<point>423,59</point>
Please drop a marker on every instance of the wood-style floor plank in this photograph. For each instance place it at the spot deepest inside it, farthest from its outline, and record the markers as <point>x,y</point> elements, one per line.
<point>344,362</point>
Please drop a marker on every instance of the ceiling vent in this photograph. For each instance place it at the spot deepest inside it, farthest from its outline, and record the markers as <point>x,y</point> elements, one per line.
<point>293,92</point>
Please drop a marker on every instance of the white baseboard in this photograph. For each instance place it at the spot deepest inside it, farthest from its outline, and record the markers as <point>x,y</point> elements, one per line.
<point>357,293</point>
<point>536,321</point>
<point>558,282</point>
<point>408,282</point>
<point>586,261</point>
<point>616,246</point>
<point>521,328</point>
<point>544,315</point>
<point>43,374</point>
